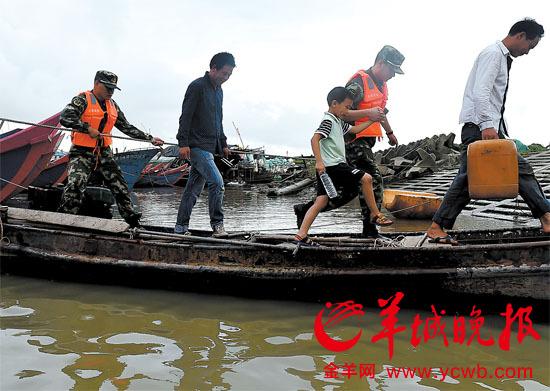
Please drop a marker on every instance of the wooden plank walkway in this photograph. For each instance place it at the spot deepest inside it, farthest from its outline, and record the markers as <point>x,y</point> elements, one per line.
<point>511,209</point>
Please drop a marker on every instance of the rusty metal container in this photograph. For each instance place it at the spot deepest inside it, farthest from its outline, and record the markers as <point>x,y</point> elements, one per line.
<point>492,169</point>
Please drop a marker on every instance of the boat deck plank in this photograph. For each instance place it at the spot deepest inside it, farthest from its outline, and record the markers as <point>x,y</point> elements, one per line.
<point>67,220</point>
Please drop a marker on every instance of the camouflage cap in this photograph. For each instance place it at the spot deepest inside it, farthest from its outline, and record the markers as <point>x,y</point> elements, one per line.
<point>107,78</point>
<point>393,57</point>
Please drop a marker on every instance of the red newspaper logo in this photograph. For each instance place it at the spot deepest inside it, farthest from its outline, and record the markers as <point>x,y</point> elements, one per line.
<point>342,311</point>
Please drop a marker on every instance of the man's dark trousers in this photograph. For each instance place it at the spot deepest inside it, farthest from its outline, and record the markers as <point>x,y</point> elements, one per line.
<point>457,197</point>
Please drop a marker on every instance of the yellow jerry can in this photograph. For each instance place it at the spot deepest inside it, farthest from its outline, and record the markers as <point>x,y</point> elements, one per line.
<point>492,169</point>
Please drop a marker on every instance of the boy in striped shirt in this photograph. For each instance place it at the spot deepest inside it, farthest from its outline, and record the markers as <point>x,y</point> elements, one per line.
<point>329,150</point>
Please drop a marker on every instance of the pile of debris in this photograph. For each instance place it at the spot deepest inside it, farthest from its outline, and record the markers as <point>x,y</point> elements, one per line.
<point>418,158</point>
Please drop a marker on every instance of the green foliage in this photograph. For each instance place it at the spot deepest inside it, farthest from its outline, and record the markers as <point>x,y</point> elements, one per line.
<point>537,148</point>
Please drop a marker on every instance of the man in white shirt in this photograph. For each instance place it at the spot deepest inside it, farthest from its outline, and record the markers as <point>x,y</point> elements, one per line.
<point>483,117</point>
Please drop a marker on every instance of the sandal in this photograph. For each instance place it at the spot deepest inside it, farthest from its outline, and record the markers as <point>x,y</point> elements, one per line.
<point>305,241</point>
<point>447,239</point>
<point>381,220</point>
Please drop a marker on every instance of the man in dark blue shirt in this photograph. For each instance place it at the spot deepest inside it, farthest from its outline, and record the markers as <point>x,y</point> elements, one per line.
<point>200,136</point>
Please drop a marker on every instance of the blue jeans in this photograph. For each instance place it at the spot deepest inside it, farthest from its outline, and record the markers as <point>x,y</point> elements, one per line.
<point>203,170</point>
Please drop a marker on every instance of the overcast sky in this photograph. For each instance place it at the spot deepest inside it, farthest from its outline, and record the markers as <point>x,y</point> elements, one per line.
<point>289,54</point>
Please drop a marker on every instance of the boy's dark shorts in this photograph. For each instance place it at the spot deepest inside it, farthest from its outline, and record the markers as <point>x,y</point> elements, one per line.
<point>344,177</point>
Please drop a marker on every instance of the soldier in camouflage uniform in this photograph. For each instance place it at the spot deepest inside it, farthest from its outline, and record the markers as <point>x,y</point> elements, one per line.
<point>359,151</point>
<point>92,115</point>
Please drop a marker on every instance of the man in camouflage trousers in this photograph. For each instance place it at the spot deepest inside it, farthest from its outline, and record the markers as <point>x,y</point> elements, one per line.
<point>369,103</point>
<point>92,115</point>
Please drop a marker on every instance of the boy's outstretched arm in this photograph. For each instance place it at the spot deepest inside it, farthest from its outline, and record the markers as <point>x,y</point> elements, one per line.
<point>316,148</point>
<point>359,128</point>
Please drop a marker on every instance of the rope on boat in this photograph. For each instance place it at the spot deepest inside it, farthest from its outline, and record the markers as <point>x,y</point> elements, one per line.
<point>516,213</point>
<point>382,242</point>
<point>396,242</point>
<point>293,228</point>
<point>60,128</point>
<point>411,207</point>
<point>15,184</point>
<point>165,179</point>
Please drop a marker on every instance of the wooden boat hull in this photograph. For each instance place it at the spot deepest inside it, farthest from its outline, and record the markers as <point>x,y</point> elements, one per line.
<point>503,265</point>
<point>405,204</point>
<point>449,286</point>
<point>25,153</point>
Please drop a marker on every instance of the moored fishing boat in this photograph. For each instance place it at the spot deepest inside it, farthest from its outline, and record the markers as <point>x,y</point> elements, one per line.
<point>132,162</point>
<point>24,154</point>
<point>54,173</point>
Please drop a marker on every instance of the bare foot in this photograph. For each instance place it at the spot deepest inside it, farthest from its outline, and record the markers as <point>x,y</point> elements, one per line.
<point>545,222</point>
<point>380,220</point>
<point>435,231</point>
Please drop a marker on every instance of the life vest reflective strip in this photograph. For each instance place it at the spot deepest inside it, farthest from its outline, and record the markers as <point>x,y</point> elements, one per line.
<point>372,97</point>
<point>93,115</point>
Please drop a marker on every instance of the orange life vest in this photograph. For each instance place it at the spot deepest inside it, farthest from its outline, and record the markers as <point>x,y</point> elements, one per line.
<point>93,115</point>
<point>372,97</point>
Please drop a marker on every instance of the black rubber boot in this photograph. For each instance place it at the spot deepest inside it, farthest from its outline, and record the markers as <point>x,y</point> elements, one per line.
<point>133,220</point>
<point>300,211</point>
<point>369,230</point>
